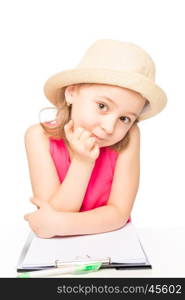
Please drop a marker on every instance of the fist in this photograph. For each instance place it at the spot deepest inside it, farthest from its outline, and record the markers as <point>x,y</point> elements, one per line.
<point>81,142</point>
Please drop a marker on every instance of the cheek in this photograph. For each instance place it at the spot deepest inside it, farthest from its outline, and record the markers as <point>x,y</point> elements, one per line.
<point>120,133</point>
<point>84,117</point>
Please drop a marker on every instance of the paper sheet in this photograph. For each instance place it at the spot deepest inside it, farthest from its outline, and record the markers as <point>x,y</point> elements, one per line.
<point>122,245</point>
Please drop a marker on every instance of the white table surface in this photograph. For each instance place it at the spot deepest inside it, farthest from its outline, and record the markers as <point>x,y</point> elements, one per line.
<point>165,248</point>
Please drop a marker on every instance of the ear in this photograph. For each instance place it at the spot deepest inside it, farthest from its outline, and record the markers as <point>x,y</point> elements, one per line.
<point>70,93</point>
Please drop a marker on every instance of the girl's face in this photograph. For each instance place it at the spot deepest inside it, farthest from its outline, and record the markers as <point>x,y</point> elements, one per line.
<point>106,111</point>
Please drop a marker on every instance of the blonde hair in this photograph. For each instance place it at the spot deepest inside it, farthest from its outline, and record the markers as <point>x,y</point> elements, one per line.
<point>63,116</point>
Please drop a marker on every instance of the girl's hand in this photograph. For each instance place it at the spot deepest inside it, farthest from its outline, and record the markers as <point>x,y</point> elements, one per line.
<point>42,221</point>
<point>81,142</point>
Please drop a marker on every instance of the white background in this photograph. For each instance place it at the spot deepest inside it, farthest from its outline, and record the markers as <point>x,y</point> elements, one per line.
<point>40,38</point>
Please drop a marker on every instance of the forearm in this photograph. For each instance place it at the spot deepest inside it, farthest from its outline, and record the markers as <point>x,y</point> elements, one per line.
<point>98,220</point>
<point>71,192</point>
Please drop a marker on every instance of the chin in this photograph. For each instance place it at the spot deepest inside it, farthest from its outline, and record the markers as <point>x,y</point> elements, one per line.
<point>103,144</point>
<point>110,144</point>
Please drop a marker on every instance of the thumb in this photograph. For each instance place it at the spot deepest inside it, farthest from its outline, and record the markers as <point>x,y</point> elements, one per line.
<point>96,151</point>
<point>36,201</point>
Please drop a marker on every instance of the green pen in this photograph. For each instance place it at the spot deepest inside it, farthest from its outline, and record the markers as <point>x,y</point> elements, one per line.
<point>72,269</point>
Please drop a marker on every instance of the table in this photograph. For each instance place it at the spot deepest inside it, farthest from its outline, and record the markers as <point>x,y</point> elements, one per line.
<point>165,248</point>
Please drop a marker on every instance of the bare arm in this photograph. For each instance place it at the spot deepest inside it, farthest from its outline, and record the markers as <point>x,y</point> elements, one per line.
<point>85,151</point>
<point>123,192</point>
<point>46,186</point>
<point>71,192</point>
<point>98,220</point>
<point>47,223</point>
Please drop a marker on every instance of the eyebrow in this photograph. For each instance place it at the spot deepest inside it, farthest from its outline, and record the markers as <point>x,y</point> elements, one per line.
<point>110,100</point>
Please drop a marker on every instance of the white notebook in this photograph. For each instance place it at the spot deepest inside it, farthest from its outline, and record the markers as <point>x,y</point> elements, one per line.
<point>122,247</point>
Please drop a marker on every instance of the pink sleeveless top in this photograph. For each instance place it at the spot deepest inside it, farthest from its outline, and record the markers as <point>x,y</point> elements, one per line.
<point>99,186</point>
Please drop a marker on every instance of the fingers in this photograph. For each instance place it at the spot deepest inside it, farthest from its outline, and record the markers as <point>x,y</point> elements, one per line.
<point>79,131</point>
<point>36,201</point>
<point>85,138</point>
<point>89,143</point>
<point>95,151</point>
<point>85,135</point>
<point>81,141</point>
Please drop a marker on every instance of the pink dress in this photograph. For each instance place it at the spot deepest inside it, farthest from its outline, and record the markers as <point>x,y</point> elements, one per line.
<point>99,186</point>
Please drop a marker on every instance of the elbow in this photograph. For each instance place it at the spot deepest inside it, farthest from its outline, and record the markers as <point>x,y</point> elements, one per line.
<point>122,218</point>
<point>122,222</point>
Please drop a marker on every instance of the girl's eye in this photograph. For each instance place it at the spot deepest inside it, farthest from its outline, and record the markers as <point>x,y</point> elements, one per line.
<point>125,119</point>
<point>102,106</point>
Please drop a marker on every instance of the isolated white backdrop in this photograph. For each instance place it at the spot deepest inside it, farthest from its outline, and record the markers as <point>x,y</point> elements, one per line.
<point>40,38</point>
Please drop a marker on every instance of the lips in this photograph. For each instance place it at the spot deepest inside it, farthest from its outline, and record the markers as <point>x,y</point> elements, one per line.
<point>97,137</point>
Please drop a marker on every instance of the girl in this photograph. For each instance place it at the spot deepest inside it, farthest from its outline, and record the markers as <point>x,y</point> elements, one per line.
<point>84,167</point>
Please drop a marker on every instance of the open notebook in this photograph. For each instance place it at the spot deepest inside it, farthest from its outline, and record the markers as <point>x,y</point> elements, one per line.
<point>122,247</point>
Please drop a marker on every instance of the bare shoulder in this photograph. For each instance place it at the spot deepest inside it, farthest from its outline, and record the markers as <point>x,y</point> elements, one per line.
<point>35,129</point>
<point>36,133</point>
<point>43,173</point>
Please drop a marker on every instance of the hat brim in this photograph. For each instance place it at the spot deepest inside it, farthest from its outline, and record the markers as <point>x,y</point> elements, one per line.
<point>148,89</point>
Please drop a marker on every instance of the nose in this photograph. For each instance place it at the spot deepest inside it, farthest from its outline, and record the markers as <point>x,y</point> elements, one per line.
<point>108,124</point>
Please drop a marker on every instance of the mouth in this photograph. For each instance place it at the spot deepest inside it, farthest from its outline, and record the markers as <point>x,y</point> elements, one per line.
<point>98,138</point>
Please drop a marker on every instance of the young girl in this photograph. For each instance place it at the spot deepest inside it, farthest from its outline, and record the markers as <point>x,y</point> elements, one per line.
<point>84,167</point>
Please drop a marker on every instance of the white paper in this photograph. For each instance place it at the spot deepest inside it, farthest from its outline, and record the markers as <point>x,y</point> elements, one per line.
<point>122,246</point>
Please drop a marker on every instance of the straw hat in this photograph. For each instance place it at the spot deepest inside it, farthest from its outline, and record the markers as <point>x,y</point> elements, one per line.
<point>116,63</point>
